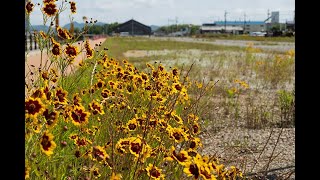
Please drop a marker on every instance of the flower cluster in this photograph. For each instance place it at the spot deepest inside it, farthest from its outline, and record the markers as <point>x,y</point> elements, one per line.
<point>124,124</point>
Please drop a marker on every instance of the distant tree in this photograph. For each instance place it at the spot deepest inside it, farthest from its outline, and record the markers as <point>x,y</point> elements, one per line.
<point>96,29</point>
<point>194,29</point>
<point>275,27</point>
<point>112,27</point>
<point>76,30</point>
<point>180,27</point>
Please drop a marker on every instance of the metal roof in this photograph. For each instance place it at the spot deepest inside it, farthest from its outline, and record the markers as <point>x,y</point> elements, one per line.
<point>219,28</point>
<point>240,22</point>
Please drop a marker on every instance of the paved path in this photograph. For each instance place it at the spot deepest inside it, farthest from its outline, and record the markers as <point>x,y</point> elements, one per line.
<point>34,57</point>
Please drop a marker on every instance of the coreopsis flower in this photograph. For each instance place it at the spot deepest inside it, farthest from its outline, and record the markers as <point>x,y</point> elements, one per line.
<point>205,174</point>
<point>43,35</point>
<point>175,73</point>
<point>132,124</point>
<point>96,107</point>
<point>47,145</point>
<point>144,76</point>
<point>33,107</point>
<point>290,53</point>
<point>195,143</point>
<point>48,1</point>
<point>95,172</point>
<point>29,7</point>
<point>192,152</point>
<point>89,50</point>
<point>82,142</point>
<point>105,93</point>
<point>73,7</point>
<point>244,85</point>
<point>135,146</point>
<point>154,172</point>
<point>51,118</point>
<point>121,146</point>
<point>113,84</point>
<point>115,176</point>
<point>47,92</point>
<point>71,51</point>
<point>63,33</point>
<point>27,171</point>
<point>79,116</point>
<point>98,154</point>
<point>195,128</point>
<point>45,75</point>
<point>234,173</point>
<point>56,49</point>
<point>176,87</point>
<point>177,118</point>
<point>192,169</point>
<point>76,99</point>
<point>177,134</point>
<point>38,93</point>
<point>99,84</point>
<point>50,9</point>
<point>37,128</point>
<point>192,118</point>
<point>73,136</point>
<point>61,96</point>
<point>182,157</point>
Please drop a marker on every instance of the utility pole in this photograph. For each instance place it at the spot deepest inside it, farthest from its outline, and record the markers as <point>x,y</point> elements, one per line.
<point>225,21</point>
<point>294,20</point>
<point>268,24</point>
<point>244,22</point>
<point>176,23</point>
<point>132,27</point>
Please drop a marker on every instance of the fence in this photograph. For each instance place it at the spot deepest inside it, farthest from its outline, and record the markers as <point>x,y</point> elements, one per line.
<point>32,44</point>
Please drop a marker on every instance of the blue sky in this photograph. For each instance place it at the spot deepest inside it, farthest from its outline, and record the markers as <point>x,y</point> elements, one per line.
<point>164,12</point>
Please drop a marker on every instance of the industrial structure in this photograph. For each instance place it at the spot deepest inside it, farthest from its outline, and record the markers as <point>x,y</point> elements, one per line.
<point>233,27</point>
<point>249,27</point>
<point>133,28</point>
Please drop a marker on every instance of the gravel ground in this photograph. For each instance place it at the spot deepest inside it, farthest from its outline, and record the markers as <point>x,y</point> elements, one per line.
<point>244,147</point>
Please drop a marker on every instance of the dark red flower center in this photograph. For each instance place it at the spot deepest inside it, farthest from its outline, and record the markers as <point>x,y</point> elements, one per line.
<point>180,157</point>
<point>195,129</point>
<point>194,170</point>
<point>192,145</point>
<point>136,148</point>
<point>132,126</point>
<point>177,136</point>
<point>154,173</point>
<point>45,143</point>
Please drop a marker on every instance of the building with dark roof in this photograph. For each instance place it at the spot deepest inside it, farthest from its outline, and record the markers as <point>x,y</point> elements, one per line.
<point>132,28</point>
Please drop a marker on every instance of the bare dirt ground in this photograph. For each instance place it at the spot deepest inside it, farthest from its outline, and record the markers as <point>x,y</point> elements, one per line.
<point>269,46</point>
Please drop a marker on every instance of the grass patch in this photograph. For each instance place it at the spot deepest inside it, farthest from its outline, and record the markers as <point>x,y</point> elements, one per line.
<point>246,37</point>
<point>118,45</point>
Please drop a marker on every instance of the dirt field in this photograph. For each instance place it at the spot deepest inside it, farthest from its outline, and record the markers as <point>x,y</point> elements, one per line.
<point>270,46</point>
<point>268,149</point>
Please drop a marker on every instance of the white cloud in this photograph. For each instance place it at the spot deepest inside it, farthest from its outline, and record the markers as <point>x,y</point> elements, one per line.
<point>157,12</point>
